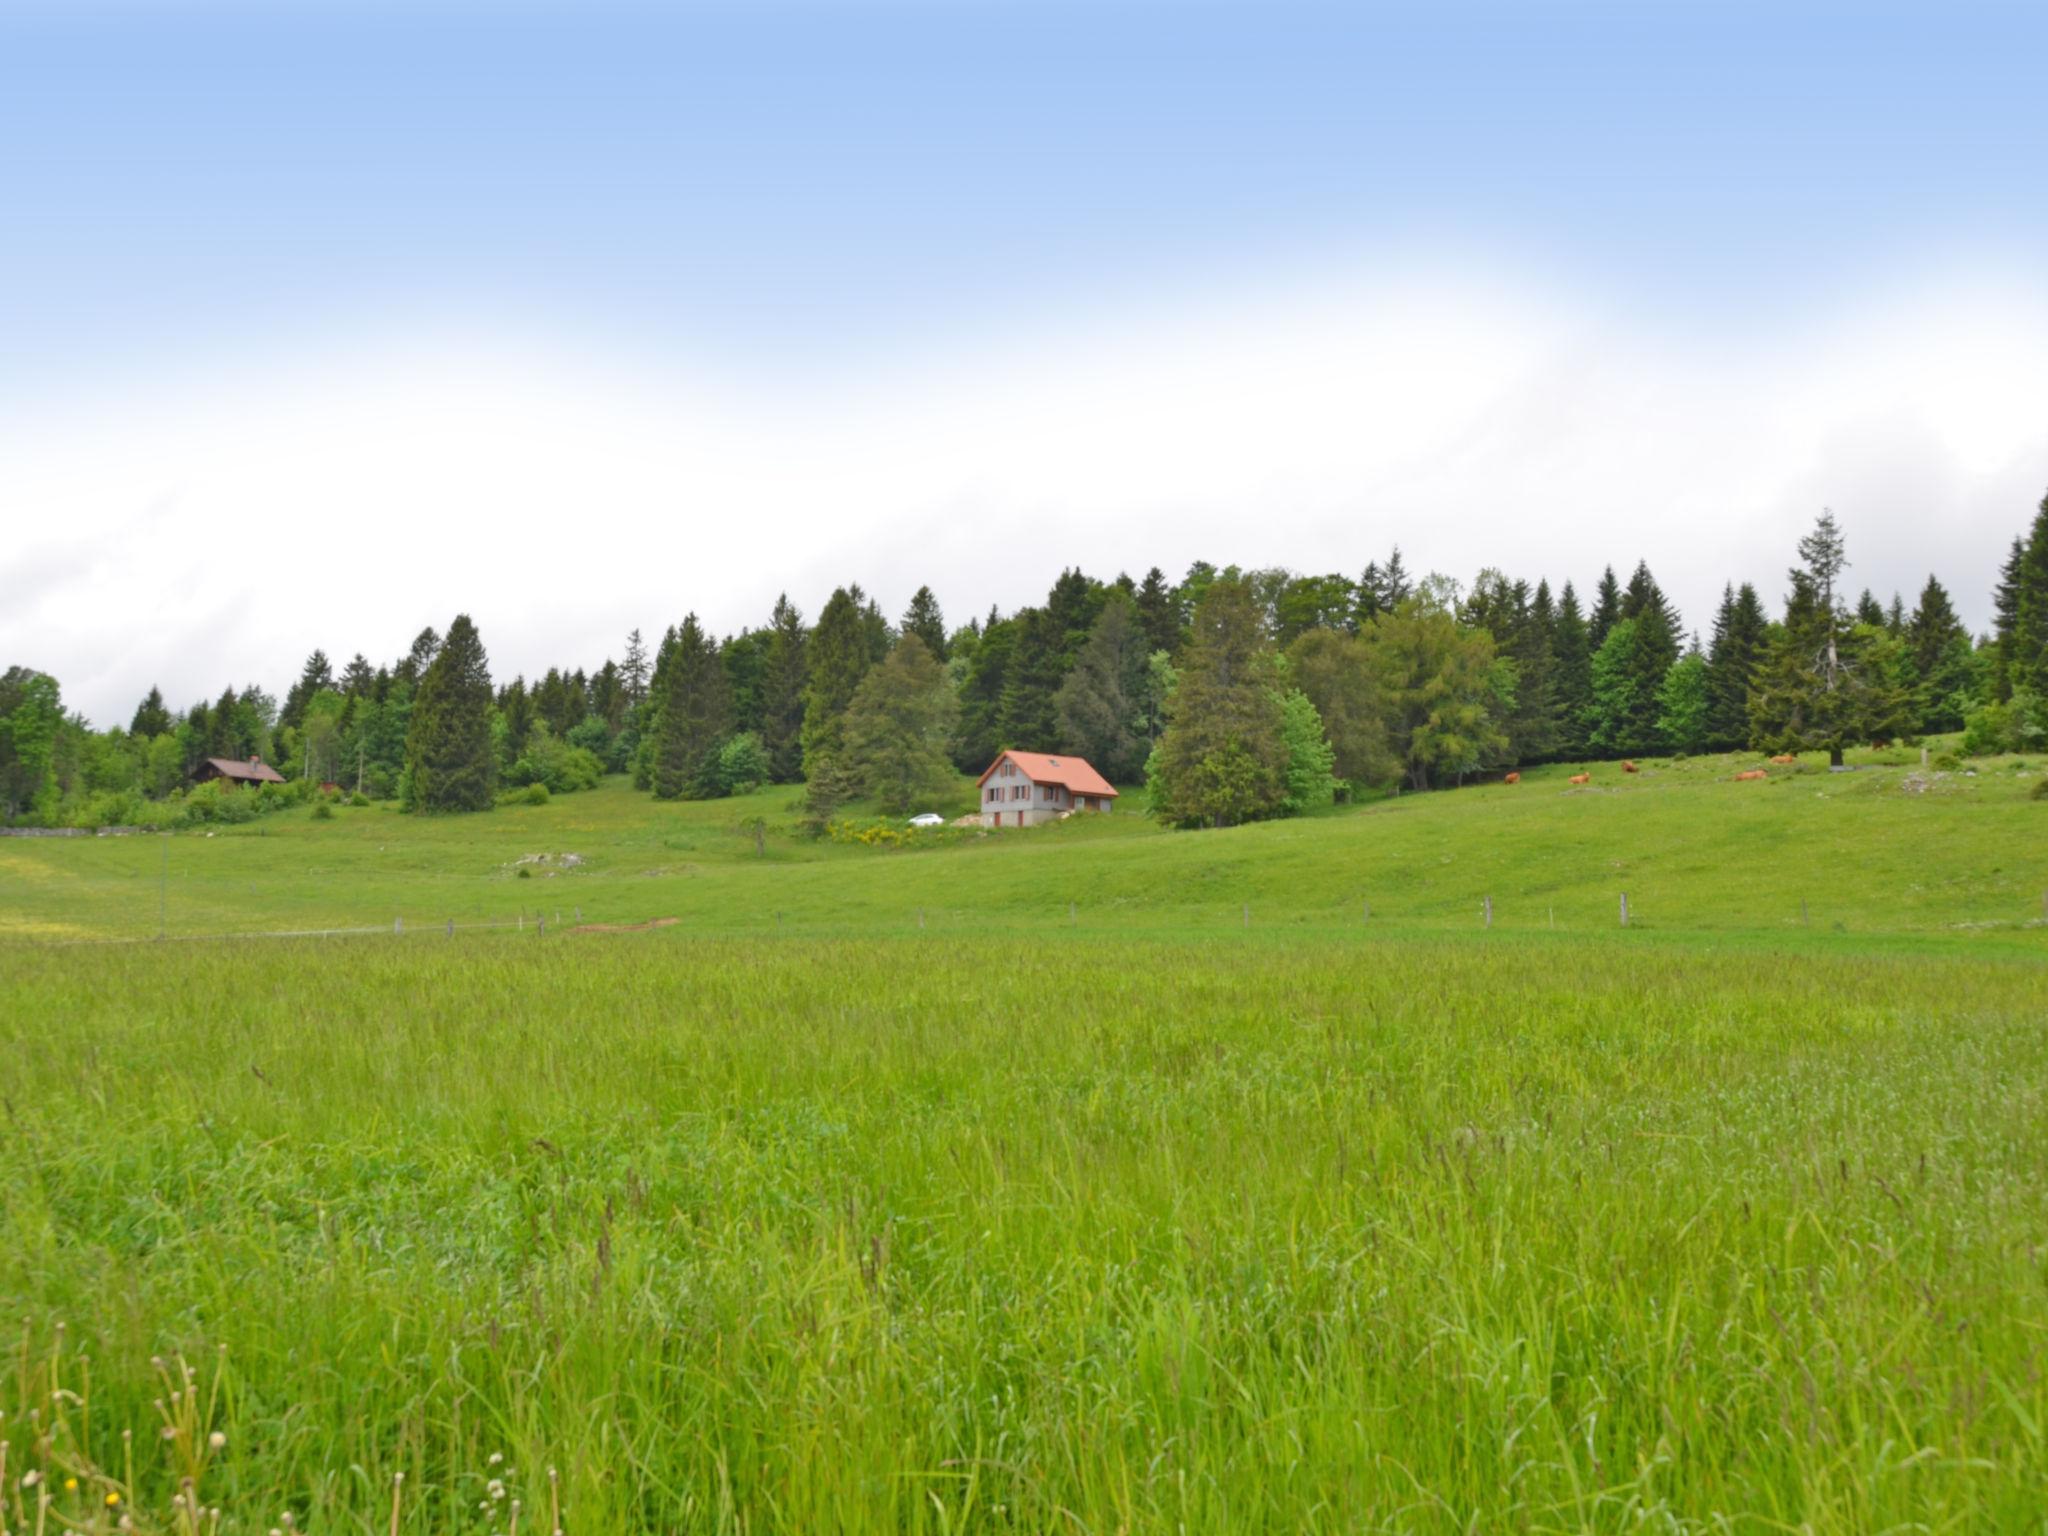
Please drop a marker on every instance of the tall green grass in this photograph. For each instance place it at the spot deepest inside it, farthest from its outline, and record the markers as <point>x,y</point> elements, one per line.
<point>1323,1231</point>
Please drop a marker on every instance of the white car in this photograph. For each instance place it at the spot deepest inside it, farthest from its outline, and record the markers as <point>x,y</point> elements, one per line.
<point>928,819</point>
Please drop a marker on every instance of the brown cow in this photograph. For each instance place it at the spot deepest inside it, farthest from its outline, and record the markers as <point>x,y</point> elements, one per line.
<point>1513,778</point>
<point>1627,767</point>
<point>1581,778</point>
<point>1785,759</point>
<point>1754,773</point>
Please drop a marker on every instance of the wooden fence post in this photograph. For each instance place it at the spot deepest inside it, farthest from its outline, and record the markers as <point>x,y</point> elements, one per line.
<point>1624,909</point>
<point>1488,901</point>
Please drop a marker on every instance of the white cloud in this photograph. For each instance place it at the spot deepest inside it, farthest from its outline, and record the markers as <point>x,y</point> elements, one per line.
<point>195,534</point>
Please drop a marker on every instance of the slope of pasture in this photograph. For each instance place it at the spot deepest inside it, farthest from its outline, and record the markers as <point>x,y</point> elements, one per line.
<point>1306,1232</point>
<point>1694,851</point>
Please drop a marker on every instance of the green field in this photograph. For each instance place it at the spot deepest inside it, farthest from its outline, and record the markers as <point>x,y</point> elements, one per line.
<point>1090,1179</point>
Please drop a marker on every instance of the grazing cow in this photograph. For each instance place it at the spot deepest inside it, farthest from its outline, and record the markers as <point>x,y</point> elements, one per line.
<point>1754,773</point>
<point>1513,778</point>
<point>1582,778</point>
<point>1785,759</point>
<point>1630,768</point>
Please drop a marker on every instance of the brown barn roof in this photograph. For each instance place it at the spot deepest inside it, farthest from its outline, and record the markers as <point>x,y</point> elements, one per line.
<point>1042,768</point>
<point>254,771</point>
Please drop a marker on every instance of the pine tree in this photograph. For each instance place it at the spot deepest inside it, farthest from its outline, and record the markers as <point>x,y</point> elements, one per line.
<point>1818,687</point>
<point>979,735</point>
<point>841,651</point>
<point>1395,587</point>
<point>1869,610</point>
<point>515,709</point>
<point>1102,705</point>
<point>358,678</point>
<point>1733,656</point>
<point>1895,616</point>
<point>2028,669</point>
<point>1036,668</point>
<point>633,670</point>
<point>1938,653</point>
<point>425,646</point>
<point>897,729</point>
<point>450,764</point>
<point>1574,684</point>
<point>317,673</point>
<point>1683,704</point>
<point>151,718</point>
<point>1625,709</point>
<point>1223,757</point>
<point>924,620</point>
<point>693,715</point>
<point>785,685</point>
<point>1157,614</point>
<point>1606,611</point>
<point>2005,605</point>
<point>744,657</point>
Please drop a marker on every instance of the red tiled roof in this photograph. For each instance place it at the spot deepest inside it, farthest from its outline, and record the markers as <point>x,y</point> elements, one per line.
<point>1043,768</point>
<point>255,771</point>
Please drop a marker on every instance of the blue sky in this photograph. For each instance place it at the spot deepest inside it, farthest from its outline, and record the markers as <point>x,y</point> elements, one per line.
<point>765,210</point>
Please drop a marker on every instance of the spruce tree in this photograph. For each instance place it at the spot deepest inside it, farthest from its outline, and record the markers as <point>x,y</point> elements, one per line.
<point>841,651</point>
<point>450,763</point>
<point>744,657</point>
<point>1733,655</point>
<point>1606,610</point>
<point>2005,608</point>
<point>1938,652</point>
<point>425,646</point>
<point>1869,610</point>
<point>785,685</point>
<point>1395,587</point>
<point>1035,670</point>
<point>897,729</point>
<point>924,620</point>
<point>1223,757</point>
<point>1574,675</point>
<point>1820,686</point>
<point>317,673</point>
<point>693,716</point>
<point>151,718</point>
<point>2028,668</point>
<point>1102,705</point>
<point>979,736</point>
<point>1157,614</point>
<point>633,670</point>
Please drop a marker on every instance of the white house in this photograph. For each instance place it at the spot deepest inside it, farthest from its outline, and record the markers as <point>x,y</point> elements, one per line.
<point>1021,789</point>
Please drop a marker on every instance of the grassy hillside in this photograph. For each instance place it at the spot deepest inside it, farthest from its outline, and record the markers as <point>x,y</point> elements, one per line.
<point>1693,850</point>
<point>1145,1223</point>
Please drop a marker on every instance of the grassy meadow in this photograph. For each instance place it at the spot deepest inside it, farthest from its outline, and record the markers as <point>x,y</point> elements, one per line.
<point>1082,1206</point>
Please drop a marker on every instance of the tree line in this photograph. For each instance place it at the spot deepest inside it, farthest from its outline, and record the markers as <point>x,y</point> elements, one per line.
<point>1232,694</point>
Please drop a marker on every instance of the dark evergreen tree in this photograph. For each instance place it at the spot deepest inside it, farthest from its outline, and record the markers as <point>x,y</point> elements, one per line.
<point>608,697</point>
<point>515,709</point>
<point>225,737</point>
<point>692,718</point>
<point>1606,610</point>
<point>1733,655</point>
<point>1574,676</point>
<point>358,678</point>
<point>1036,668</point>
<point>1939,658</point>
<point>744,655</point>
<point>1223,757</point>
<point>1869,610</point>
<point>785,686</point>
<point>151,718</point>
<point>1395,587</point>
<point>924,620</point>
<point>425,646</point>
<point>979,735</point>
<point>841,651</point>
<point>1819,688</point>
<point>1158,614</point>
<point>317,673</point>
<point>1895,616</point>
<point>1102,705</point>
<point>633,670</point>
<point>450,764</point>
<point>1313,602</point>
<point>2028,669</point>
<point>897,727</point>
<point>2005,607</point>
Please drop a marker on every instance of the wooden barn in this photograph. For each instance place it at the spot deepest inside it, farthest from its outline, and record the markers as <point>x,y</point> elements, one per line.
<point>233,772</point>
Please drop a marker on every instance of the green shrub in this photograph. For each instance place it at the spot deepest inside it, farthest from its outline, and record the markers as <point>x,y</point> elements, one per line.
<point>358,799</point>
<point>536,794</point>
<point>209,804</point>
<point>1947,762</point>
<point>2039,791</point>
<point>323,810</point>
<point>525,873</point>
